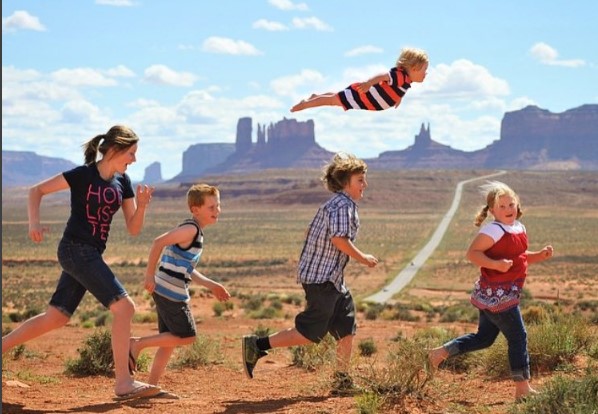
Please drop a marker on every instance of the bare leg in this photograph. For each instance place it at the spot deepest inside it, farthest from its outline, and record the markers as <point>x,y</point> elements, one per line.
<point>122,314</point>
<point>159,365</point>
<point>35,327</point>
<point>325,99</point>
<point>288,337</point>
<point>166,342</point>
<point>343,353</point>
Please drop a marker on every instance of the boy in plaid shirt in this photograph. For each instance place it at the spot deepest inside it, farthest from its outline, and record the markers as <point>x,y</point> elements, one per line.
<point>326,252</point>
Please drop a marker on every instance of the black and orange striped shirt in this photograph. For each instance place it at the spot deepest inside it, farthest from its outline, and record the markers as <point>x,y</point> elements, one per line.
<point>380,96</point>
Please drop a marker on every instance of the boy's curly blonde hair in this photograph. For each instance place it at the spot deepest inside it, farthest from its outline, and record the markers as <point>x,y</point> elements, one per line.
<point>338,172</point>
<point>412,58</point>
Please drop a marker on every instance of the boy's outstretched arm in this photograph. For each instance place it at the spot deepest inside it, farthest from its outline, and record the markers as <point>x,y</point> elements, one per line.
<point>217,289</point>
<point>346,246</point>
<point>365,86</point>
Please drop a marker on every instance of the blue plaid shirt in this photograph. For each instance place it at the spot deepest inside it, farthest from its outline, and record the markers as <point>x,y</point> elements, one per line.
<point>320,260</point>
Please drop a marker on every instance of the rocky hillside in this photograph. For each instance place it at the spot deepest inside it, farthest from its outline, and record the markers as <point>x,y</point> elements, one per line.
<point>21,168</point>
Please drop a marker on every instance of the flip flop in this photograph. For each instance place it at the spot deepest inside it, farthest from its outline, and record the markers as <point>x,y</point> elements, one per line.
<point>132,364</point>
<point>167,395</point>
<point>143,391</point>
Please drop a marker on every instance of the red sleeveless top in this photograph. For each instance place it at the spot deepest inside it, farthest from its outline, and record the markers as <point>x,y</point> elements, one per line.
<point>499,291</point>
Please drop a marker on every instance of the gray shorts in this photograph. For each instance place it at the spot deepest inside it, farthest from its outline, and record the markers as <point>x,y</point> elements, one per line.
<point>174,317</point>
<point>327,311</point>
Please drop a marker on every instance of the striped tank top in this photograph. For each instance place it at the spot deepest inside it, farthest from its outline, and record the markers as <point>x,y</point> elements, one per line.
<point>380,96</point>
<point>176,265</point>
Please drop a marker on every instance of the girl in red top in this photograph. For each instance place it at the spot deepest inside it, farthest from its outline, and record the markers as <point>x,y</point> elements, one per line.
<point>379,92</point>
<point>500,249</point>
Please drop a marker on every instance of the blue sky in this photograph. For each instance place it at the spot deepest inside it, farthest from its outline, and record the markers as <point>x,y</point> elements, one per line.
<point>183,72</point>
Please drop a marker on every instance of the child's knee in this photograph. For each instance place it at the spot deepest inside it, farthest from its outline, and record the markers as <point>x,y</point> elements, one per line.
<point>188,340</point>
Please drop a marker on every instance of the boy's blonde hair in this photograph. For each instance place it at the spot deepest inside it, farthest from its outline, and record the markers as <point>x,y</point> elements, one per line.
<point>412,58</point>
<point>492,191</point>
<point>196,195</point>
<point>339,170</point>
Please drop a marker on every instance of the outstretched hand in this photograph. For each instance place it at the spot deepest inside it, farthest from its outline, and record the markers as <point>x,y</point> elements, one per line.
<point>221,293</point>
<point>370,261</point>
<point>144,194</point>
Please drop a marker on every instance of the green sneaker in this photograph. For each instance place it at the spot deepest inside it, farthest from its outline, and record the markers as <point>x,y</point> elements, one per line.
<point>342,384</point>
<point>251,353</point>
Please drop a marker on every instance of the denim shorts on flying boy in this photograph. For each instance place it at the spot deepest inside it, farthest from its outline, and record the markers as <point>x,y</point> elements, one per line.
<point>84,269</point>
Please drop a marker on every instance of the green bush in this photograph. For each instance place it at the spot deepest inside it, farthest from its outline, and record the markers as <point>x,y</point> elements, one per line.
<point>367,347</point>
<point>95,358</point>
<point>563,395</point>
<point>313,356</point>
<point>204,351</point>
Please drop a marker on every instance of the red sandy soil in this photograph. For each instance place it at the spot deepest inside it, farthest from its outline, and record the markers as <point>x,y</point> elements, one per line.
<point>278,387</point>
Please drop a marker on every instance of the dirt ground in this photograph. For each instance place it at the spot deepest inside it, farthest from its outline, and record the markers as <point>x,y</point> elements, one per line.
<point>37,383</point>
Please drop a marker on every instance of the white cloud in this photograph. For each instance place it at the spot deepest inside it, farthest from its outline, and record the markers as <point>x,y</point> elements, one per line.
<point>288,5</point>
<point>116,3</point>
<point>269,25</point>
<point>229,46</point>
<point>120,71</point>
<point>287,85</point>
<point>163,75</point>
<point>22,20</point>
<point>311,23</point>
<point>82,77</point>
<point>363,50</point>
<point>80,111</point>
<point>463,79</point>
<point>547,55</point>
<point>12,74</point>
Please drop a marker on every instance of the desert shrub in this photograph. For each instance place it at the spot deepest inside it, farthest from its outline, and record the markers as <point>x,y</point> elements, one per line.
<point>262,330</point>
<point>534,315</point>
<point>401,374</point>
<point>218,308</point>
<point>103,318</point>
<point>22,316</point>
<point>461,312</point>
<point>265,313</point>
<point>253,302</point>
<point>367,347</point>
<point>552,345</point>
<point>95,358</point>
<point>369,403</point>
<point>204,351</point>
<point>563,395</point>
<point>372,311</point>
<point>293,298</point>
<point>145,317</point>
<point>312,356</point>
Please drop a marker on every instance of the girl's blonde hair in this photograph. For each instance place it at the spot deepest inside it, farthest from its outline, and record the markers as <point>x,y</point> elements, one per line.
<point>492,190</point>
<point>196,195</point>
<point>338,172</point>
<point>412,58</point>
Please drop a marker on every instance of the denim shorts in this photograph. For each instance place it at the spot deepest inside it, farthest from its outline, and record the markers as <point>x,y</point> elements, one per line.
<point>84,269</point>
<point>327,311</point>
<point>174,317</point>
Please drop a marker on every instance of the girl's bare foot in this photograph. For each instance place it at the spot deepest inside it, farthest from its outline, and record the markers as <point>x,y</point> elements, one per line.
<point>436,356</point>
<point>299,107</point>
<point>522,390</point>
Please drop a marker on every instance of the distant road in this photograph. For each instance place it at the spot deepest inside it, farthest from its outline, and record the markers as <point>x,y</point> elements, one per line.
<point>408,273</point>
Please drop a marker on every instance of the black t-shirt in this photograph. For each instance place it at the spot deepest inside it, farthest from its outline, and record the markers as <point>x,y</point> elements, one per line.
<point>94,202</point>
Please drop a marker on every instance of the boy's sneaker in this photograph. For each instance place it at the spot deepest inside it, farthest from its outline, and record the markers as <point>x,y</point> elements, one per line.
<point>342,384</point>
<point>251,353</point>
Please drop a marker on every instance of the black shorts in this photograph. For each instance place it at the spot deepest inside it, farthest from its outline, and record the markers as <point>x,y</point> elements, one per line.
<point>174,317</point>
<point>327,311</point>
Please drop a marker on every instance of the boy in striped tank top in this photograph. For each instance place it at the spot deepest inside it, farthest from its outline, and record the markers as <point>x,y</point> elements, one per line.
<point>501,250</point>
<point>170,269</point>
<point>380,92</point>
